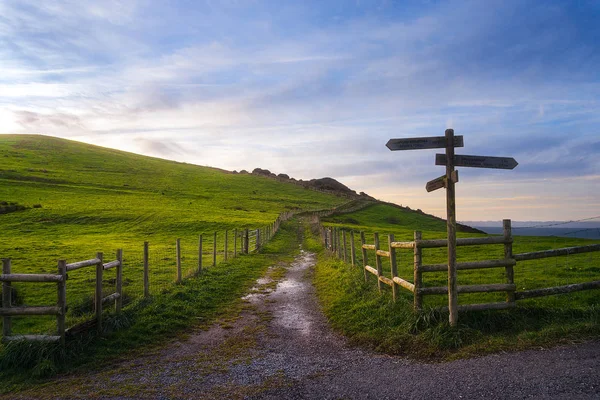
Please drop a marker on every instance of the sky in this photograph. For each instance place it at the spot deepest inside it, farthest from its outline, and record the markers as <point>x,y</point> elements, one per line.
<point>317,88</point>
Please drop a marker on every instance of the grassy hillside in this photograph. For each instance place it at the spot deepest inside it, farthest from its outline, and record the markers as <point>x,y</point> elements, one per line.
<point>79,199</point>
<point>358,310</point>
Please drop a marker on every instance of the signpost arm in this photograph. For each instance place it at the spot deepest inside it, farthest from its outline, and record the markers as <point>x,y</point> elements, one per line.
<point>451,225</point>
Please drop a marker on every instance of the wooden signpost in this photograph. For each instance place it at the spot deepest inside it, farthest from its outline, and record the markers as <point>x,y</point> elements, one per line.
<point>450,160</point>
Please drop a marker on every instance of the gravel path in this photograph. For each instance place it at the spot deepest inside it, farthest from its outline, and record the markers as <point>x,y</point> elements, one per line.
<point>280,347</point>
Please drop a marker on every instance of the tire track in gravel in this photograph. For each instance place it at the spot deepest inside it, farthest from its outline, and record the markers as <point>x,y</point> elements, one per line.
<point>280,347</point>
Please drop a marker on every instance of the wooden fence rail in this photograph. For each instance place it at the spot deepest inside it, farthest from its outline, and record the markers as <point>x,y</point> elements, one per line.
<point>331,237</point>
<point>244,242</point>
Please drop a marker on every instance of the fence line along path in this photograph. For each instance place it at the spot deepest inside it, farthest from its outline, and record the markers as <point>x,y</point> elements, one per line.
<point>334,239</point>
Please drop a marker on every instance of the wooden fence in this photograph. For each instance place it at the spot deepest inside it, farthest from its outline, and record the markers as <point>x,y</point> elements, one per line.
<point>245,241</point>
<point>60,310</point>
<point>335,240</point>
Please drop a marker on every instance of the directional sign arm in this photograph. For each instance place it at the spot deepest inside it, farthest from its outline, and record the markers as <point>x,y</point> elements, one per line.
<point>419,143</point>
<point>478,161</point>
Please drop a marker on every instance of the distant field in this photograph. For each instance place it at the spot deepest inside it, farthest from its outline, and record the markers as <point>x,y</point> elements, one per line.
<point>82,199</point>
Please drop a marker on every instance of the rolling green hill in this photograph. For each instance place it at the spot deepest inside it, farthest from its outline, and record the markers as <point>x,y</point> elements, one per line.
<point>93,199</point>
<point>61,199</point>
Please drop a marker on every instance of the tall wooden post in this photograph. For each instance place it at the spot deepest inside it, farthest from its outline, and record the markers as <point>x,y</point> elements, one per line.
<point>451,227</point>
<point>62,301</point>
<point>247,241</point>
<point>119,284</point>
<point>200,254</point>
<point>352,249</point>
<point>178,255</point>
<point>508,254</point>
<point>393,265</point>
<point>99,272</point>
<point>235,237</point>
<point>146,271</point>
<point>6,299</point>
<point>215,250</point>
<point>364,253</point>
<point>417,273</point>
<point>344,239</point>
<point>226,240</point>
<point>378,262</point>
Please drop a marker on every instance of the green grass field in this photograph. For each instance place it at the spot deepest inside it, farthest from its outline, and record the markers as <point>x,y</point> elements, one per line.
<point>82,199</point>
<point>358,309</point>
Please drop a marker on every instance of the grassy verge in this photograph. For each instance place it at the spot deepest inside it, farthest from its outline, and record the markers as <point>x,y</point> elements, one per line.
<point>200,300</point>
<point>368,318</point>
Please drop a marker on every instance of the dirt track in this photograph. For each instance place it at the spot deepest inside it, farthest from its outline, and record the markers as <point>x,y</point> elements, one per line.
<point>280,347</point>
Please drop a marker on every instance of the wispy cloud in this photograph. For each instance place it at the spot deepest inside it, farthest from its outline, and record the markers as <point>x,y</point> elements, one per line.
<point>313,88</point>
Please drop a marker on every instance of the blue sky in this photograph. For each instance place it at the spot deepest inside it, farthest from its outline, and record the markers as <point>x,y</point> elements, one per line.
<point>316,88</point>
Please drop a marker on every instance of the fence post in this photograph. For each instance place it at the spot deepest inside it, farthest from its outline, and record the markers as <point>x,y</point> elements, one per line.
<point>62,301</point>
<point>146,271</point>
<point>99,272</point>
<point>364,253</point>
<point>393,265</point>
<point>345,251</point>
<point>247,241</point>
<point>418,275</point>
<point>215,250</point>
<point>235,235</point>
<point>119,302</point>
<point>257,239</point>
<point>508,253</point>
<point>6,299</point>
<point>352,249</point>
<point>226,243</point>
<point>378,262</point>
<point>178,255</point>
<point>199,253</point>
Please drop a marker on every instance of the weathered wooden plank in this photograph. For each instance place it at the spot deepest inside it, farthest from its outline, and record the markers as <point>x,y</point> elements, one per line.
<point>371,270</point>
<point>575,287</point>
<point>364,253</point>
<point>146,270</point>
<point>62,301</point>
<point>403,245</point>
<point>6,298</point>
<point>82,264</point>
<point>386,280</point>
<point>98,293</point>
<point>119,283</point>
<point>485,288</point>
<point>382,253</point>
<point>352,249</point>
<point>417,274</point>
<point>178,258</point>
<point>27,310</point>
<point>470,265</point>
<point>508,254</point>
<point>451,229</point>
<point>31,278</point>
<point>368,246</point>
<point>405,284</point>
<point>111,264</point>
<point>32,338</point>
<point>393,265</point>
<point>481,307</point>
<point>378,260</point>
<point>425,244</point>
<point>111,297</point>
<point>565,251</point>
